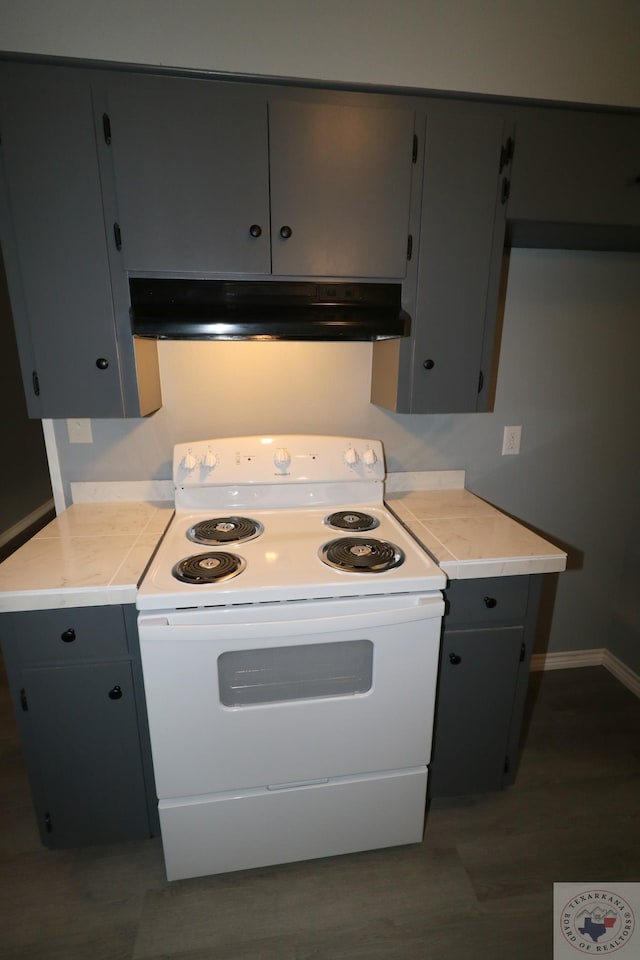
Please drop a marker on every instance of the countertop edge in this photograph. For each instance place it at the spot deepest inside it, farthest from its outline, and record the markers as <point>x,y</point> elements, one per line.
<point>511,567</point>
<point>67,598</point>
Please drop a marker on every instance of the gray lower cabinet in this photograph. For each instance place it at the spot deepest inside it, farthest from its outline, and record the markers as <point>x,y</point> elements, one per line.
<point>230,177</point>
<point>576,180</point>
<point>486,650</point>
<point>77,355</point>
<point>446,365</point>
<point>76,685</point>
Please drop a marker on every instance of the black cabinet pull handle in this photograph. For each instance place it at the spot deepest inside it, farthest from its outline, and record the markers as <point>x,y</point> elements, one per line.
<point>106,128</point>
<point>285,232</point>
<point>68,636</point>
<point>255,230</point>
<point>102,363</point>
<point>428,364</point>
<point>455,659</point>
<point>506,153</point>
<point>490,602</point>
<point>115,693</point>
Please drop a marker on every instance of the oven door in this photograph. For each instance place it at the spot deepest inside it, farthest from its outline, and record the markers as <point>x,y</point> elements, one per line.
<point>279,695</point>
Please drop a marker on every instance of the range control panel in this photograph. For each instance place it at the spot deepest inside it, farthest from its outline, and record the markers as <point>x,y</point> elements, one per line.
<point>286,458</point>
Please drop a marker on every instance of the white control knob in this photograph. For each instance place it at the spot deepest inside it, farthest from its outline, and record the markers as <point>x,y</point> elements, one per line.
<point>189,461</point>
<point>369,457</point>
<point>210,459</point>
<point>351,457</point>
<point>282,458</point>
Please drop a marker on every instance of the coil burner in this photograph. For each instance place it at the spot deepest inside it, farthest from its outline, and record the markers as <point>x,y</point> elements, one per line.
<point>351,520</point>
<point>207,568</point>
<point>219,530</point>
<point>361,555</point>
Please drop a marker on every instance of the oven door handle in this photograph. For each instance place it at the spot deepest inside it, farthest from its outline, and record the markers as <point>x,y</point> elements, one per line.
<point>193,623</point>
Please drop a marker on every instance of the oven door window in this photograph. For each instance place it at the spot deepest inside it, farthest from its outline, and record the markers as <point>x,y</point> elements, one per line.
<point>301,672</point>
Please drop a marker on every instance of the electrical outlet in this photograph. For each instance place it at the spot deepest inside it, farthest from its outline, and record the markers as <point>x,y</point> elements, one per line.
<point>511,441</point>
<point>79,431</point>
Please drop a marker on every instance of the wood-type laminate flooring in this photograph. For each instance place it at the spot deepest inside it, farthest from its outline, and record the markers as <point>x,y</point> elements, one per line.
<point>479,886</point>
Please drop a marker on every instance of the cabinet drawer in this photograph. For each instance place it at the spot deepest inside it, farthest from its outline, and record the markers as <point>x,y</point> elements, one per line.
<point>486,601</point>
<point>60,636</point>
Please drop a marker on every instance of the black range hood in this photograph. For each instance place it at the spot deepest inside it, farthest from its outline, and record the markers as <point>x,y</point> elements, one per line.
<point>266,310</point>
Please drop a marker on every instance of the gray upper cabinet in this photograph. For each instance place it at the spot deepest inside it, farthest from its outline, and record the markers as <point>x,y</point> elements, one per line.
<point>192,178</point>
<point>55,250</point>
<point>340,188</point>
<point>576,180</point>
<point>108,174</point>
<point>215,178</point>
<point>446,365</point>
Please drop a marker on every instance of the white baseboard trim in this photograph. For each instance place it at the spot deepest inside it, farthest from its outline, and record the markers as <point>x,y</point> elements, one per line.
<point>8,535</point>
<point>567,659</point>
<point>621,672</point>
<point>599,657</point>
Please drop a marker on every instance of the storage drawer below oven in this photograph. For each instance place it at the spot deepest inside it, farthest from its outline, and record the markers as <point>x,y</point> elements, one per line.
<point>219,833</point>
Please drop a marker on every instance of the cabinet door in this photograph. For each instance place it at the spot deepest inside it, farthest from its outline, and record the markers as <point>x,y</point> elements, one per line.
<point>477,685</point>
<point>578,170</point>
<point>83,731</point>
<point>191,172</point>
<point>341,184</point>
<point>447,365</point>
<point>53,236</point>
<point>461,247</point>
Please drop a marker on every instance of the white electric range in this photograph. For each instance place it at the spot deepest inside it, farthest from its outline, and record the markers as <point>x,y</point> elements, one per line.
<point>289,631</point>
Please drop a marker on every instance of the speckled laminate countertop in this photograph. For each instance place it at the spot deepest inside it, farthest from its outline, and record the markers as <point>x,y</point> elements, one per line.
<point>469,538</point>
<point>91,555</point>
<point>96,552</point>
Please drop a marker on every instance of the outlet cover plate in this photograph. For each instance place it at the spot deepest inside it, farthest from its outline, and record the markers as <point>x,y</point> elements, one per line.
<point>511,441</point>
<point>79,431</point>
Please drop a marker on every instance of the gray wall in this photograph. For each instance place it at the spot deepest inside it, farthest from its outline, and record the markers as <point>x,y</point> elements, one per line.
<point>568,375</point>
<point>583,50</point>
